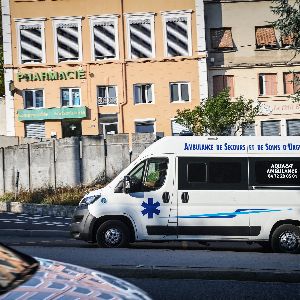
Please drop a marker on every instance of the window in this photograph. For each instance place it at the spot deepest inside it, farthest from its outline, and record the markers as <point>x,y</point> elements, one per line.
<point>267,84</point>
<point>33,98</point>
<point>221,38</point>
<point>265,37</point>
<point>68,39</point>
<point>293,127</point>
<point>248,129</point>
<point>108,124</point>
<point>150,175</point>
<point>177,27</point>
<point>270,128</point>
<point>197,172</point>
<point>142,93</point>
<point>222,82</point>
<point>180,91</point>
<point>212,173</point>
<point>291,82</point>
<point>31,41</point>
<point>70,97</point>
<point>275,171</point>
<point>140,28</point>
<point>107,95</point>
<point>104,37</point>
<point>287,41</point>
<point>35,130</point>
<point>146,126</point>
<point>178,128</point>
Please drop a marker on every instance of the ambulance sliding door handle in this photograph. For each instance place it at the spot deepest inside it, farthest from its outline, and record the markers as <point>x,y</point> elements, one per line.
<point>185,197</point>
<point>166,197</point>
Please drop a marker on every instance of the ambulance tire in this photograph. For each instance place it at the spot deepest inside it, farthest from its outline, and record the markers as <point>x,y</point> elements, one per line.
<point>286,239</point>
<point>113,234</point>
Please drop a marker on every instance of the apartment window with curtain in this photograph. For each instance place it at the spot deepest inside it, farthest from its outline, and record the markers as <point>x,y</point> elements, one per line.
<point>70,97</point>
<point>222,82</point>
<point>291,83</point>
<point>143,93</point>
<point>33,98</point>
<point>107,95</point>
<point>180,91</point>
<point>265,37</point>
<point>267,84</point>
<point>221,38</point>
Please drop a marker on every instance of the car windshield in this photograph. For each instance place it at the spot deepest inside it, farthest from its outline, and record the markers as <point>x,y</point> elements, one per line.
<point>15,268</point>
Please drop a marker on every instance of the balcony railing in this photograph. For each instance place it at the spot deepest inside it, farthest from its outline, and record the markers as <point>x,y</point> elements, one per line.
<point>107,101</point>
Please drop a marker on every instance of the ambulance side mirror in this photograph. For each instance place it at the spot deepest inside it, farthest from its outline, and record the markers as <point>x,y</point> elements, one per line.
<point>126,184</point>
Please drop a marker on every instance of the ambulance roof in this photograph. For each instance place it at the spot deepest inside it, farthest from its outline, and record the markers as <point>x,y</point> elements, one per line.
<point>232,145</point>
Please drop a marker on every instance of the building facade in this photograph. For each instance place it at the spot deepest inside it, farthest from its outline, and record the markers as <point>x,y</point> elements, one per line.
<point>100,67</point>
<point>248,56</point>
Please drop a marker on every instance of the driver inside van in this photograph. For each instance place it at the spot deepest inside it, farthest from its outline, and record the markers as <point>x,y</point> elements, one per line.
<point>156,175</point>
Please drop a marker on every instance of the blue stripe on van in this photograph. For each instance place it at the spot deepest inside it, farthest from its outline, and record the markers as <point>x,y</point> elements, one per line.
<point>228,215</point>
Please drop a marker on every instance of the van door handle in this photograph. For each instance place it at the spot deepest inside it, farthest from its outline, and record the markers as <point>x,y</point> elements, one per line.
<point>166,197</point>
<point>185,197</point>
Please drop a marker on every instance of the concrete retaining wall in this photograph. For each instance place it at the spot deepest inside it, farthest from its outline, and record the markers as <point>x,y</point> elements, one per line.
<point>68,162</point>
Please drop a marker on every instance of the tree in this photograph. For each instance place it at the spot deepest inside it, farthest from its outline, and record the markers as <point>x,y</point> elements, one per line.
<point>216,115</point>
<point>288,23</point>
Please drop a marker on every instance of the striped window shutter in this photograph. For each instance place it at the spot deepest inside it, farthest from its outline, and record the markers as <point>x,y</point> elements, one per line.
<point>140,38</point>
<point>288,83</point>
<point>31,43</point>
<point>35,130</point>
<point>104,40</point>
<point>177,37</point>
<point>67,42</point>
<point>270,128</point>
<point>271,84</point>
<point>293,127</point>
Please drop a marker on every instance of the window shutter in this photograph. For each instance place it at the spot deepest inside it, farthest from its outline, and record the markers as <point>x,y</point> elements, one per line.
<point>265,36</point>
<point>293,127</point>
<point>229,84</point>
<point>221,38</point>
<point>271,84</point>
<point>270,128</point>
<point>218,84</point>
<point>35,130</point>
<point>288,83</point>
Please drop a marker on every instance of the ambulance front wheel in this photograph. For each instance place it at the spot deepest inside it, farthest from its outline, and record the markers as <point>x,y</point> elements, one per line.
<point>286,239</point>
<point>113,234</point>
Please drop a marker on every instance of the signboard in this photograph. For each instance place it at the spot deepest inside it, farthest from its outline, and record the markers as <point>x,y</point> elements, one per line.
<point>52,113</point>
<point>282,107</point>
<point>50,76</point>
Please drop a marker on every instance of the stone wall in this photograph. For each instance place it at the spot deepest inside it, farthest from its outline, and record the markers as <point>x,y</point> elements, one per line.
<point>68,162</point>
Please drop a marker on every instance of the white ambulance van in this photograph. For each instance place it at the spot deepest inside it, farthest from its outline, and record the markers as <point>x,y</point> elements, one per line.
<point>201,189</point>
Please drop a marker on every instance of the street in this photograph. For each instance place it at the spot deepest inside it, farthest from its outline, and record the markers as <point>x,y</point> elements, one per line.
<point>171,270</point>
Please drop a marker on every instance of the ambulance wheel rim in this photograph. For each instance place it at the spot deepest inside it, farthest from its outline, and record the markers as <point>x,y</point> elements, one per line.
<point>113,236</point>
<point>288,240</point>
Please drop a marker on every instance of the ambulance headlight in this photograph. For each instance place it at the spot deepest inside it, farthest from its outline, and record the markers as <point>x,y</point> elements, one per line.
<point>89,200</point>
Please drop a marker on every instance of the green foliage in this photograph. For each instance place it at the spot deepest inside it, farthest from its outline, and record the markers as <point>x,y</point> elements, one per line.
<point>49,195</point>
<point>216,115</point>
<point>288,23</point>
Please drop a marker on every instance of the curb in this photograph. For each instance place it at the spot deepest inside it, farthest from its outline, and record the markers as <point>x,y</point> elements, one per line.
<point>166,272</point>
<point>34,233</point>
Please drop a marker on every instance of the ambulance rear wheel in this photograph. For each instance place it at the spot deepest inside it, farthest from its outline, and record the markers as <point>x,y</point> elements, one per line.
<point>286,239</point>
<point>113,234</point>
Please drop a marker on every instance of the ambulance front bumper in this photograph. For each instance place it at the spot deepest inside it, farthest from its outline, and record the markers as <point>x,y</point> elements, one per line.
<point>82,224</point>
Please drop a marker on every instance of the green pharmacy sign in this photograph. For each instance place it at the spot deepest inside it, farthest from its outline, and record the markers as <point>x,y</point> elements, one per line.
<point>52,113</point>
<point>51,76</point>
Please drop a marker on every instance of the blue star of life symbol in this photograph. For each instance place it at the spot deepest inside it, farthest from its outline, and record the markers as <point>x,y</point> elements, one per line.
<point>150,208</point>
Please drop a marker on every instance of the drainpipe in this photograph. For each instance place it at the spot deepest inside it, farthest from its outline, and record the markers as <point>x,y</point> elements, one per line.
<point>124,70</point>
